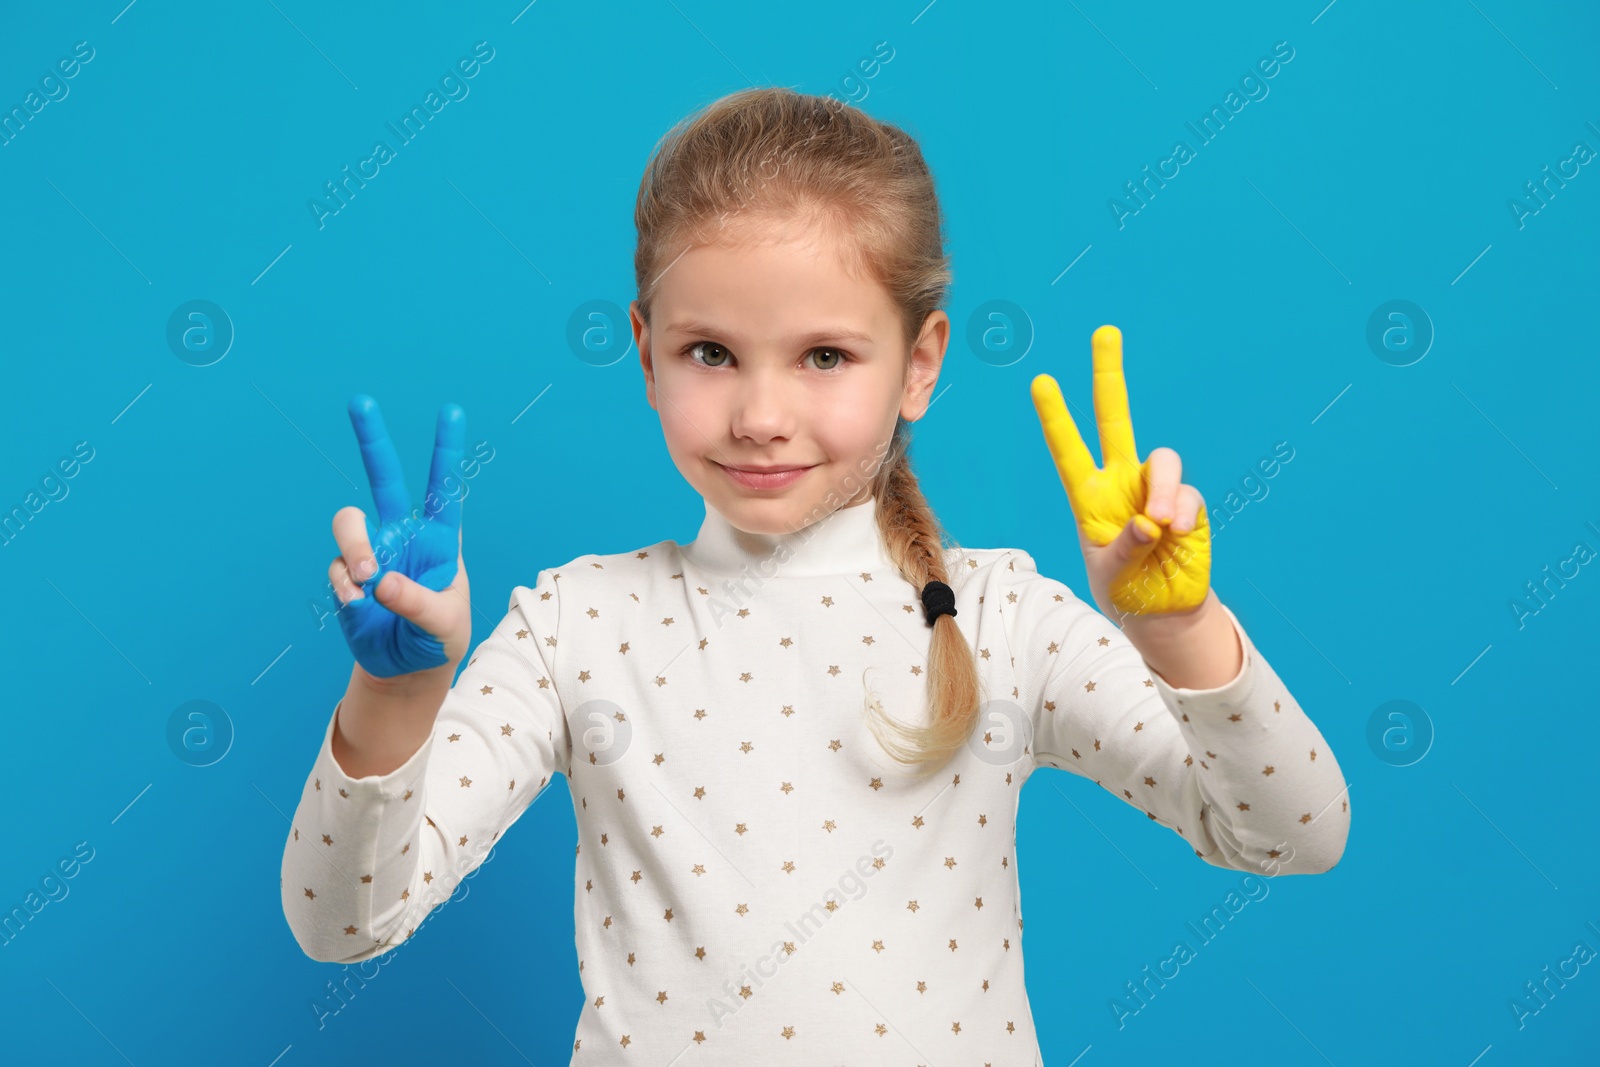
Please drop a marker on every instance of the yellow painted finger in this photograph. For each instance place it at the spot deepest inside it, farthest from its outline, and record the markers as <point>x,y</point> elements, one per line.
<point>1071,455</point>
<point>1111,399</point>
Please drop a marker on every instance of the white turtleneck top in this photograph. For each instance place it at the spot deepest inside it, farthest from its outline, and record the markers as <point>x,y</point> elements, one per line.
<point>756,880</point>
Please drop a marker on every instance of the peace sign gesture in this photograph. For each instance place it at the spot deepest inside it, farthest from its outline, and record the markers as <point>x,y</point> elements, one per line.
<point>1146,543</point>
<point>405,604</point>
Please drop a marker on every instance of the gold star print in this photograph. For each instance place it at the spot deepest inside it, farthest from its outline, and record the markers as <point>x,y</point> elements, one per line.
<point>599,1001</point>
<point>786,788</point>
<point>1097,744</point>
<point>1149,780</point>
<point>603,838</point>
<point>828,825</point>
<point>667,621</point>
<point>505,731</point>
<point>310,895</point>
<point>350,929</point>
<point>835,744</point>
<point>660,680</point>
<point>740,829</point>
<point>742,612</point>
<point>788,948</point>
<point>788,1031</point>
<point>405,894</point>
<point>1273,853</point>
<point>949,861</point>
<point>698,868</point>
<point>1075,754</point>
<point>699,713</point>
<point>788,710</point>
<point>700,952</point>
<point>867,640</point>
<point>521,634</point>
<point>700,1035</point>
<point>1267,769</point>
<point>1306,817</point>
<point>1243,806</point>
<point>626,1041</point>
<point>1011,1027</point>
<point>704,641</point>
<point>745,746</point>
<point>983,820</point>
<point>1313,755</point>
<point>466,783</point>
<point>978,903</point>
<point>746,992</point>
<point>785,642</point>
<point>668,915</point>
<point>1049,705</point>
<point>1088,687</point>
<point>1054,648</point>
<point>788,866</point>
<point>660,758</point>
<point>1104,641</point>
<point>952,944</point>
<point>1138,726</point>
<point>427,876</point>
<point>876,783</point>
<point>656,831</point>
<point>551,641</point>
<point>922,987</point>
<point>880,1029</point>
<point>742,909</point>
<point>907,608</point>
<point>838,987</point>
<point>607,924</point>
<point>699,792</point>
<point>326,840</point>
<point>1275,706</point>
<point>622,794</point>
<point>827,601</point>
<point>916,820</point>
<point>916,669</point>
<point>745,676</point>
<point>592,613</point>
<point>453,737</point>
<point>661,997</point>
<point>912,906</point>
<point>623,648</point>
<point>486,690</point>
<point>834,669</point>
<point>877,946</point>
<point>636,877</point>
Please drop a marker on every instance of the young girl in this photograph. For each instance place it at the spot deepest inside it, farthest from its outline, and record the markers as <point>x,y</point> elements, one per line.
<point>795,745</point>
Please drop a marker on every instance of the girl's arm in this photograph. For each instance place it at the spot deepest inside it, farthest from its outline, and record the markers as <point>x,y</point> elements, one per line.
<point>368,857</point>
<point>1238,770</point>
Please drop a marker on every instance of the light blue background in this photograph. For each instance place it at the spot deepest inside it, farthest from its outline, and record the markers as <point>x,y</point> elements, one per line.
<point>1380,565</point>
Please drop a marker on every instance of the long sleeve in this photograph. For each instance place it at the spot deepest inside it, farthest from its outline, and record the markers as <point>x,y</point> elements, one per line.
<point>1238,771</point>
<point>368,858</point>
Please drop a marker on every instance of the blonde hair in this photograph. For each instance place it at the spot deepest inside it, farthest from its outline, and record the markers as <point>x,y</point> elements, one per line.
<point>771,153</point>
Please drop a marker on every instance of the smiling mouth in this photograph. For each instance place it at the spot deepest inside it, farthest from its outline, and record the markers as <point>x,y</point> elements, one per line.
<point>764,477</point>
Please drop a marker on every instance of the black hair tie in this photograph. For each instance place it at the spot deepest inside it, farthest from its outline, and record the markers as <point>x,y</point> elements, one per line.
<point>937,599</point>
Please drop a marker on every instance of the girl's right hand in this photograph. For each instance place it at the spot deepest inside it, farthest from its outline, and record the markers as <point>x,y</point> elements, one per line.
<point>405,603</point>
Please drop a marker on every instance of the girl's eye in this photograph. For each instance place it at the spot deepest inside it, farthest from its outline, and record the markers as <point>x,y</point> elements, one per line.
<point>689,351</point>
<point>832,351</point>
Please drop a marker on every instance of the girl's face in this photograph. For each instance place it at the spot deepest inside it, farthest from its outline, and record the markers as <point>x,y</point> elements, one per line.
<point>765,352</point>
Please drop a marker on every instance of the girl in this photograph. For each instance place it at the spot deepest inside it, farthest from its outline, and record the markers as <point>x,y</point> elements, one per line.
<point>795,745</point>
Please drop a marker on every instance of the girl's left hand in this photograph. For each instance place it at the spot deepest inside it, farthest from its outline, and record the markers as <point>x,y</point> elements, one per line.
<point>1119,504</point>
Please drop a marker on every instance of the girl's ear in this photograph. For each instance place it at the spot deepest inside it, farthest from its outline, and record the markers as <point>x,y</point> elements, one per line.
<point>641,340</point>
<point>923,370</point>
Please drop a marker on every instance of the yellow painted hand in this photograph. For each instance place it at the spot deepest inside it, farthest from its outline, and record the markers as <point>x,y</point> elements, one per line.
<point>1145,539</point>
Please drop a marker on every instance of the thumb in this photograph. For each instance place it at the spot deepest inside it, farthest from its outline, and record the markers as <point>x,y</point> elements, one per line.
<point>412,602</point>
<point>1138,539</point>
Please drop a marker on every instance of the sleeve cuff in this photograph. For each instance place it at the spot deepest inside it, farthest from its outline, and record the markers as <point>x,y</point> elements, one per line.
<point>1229,694</point>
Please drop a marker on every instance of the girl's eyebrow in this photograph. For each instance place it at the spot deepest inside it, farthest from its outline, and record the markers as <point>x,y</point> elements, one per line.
<point>811,338</point>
